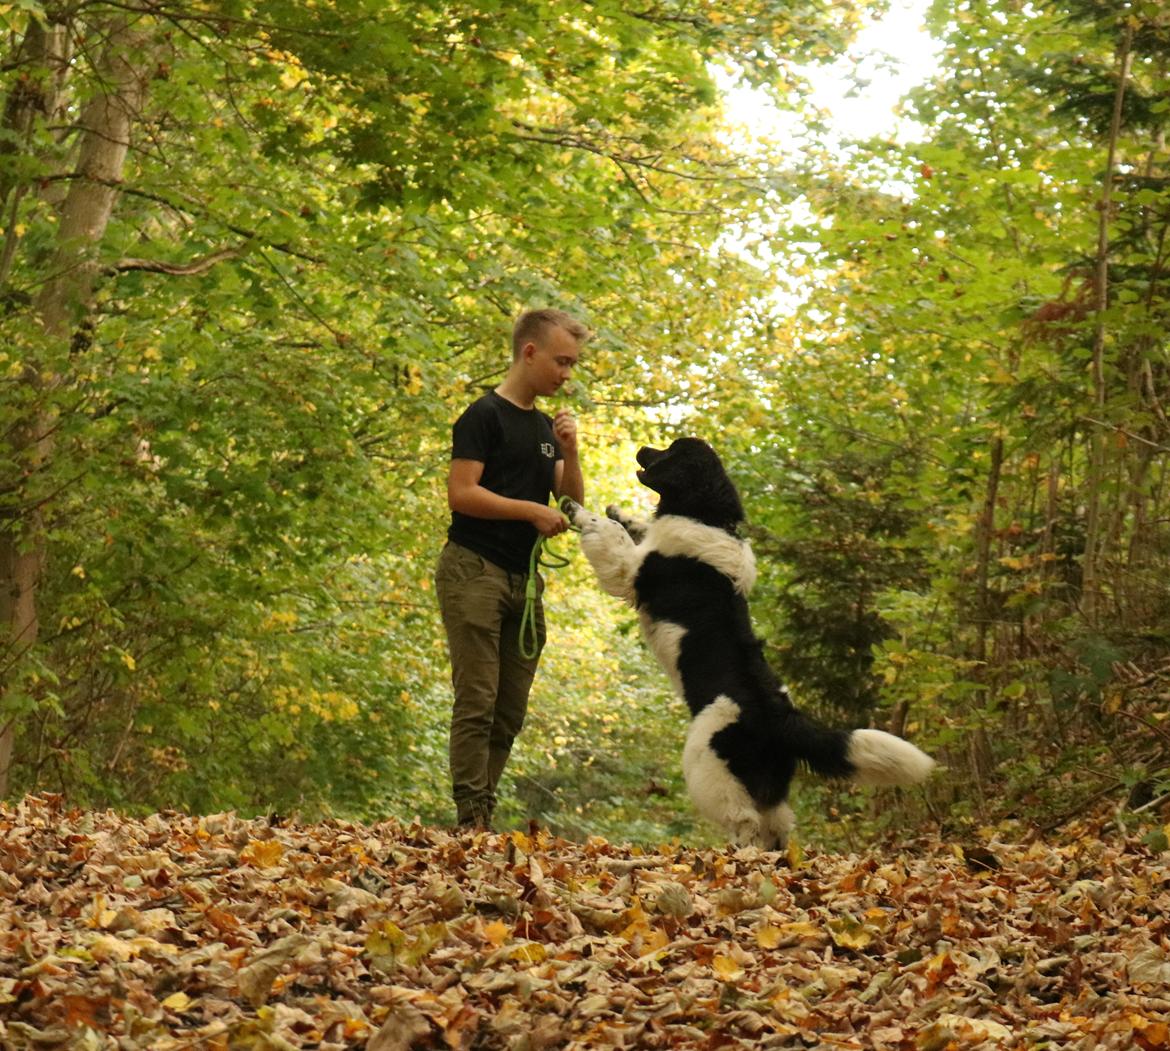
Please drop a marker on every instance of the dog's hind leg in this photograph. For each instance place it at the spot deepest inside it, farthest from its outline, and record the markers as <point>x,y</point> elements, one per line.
<point>716,792</point>
<point>748,831</point>
<point>778,824</point>
<point>611,552</point>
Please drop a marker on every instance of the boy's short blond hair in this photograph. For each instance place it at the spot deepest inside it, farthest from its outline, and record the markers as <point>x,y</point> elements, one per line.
<point>532,324</point>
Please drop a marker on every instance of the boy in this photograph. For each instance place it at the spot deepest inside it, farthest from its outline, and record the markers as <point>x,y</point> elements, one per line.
<point>506,458</point>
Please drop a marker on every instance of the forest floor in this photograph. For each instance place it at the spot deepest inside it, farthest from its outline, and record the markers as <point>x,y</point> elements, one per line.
<point>217,932</point>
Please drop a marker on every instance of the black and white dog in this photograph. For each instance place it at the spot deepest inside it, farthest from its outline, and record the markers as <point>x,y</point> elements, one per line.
<point>688,574</point>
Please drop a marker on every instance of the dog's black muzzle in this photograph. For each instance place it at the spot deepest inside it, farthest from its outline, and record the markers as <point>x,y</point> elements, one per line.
<point>647,457</point>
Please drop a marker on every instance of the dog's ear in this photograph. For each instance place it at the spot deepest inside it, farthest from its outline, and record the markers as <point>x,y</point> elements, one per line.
<point>725,502</point>
<point>719,497</point>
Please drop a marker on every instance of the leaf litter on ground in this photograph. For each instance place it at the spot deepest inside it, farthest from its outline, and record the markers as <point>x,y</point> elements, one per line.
<point>217,932</point>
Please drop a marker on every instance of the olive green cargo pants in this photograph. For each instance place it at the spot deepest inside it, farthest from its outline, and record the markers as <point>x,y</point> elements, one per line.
<point>482,606</point>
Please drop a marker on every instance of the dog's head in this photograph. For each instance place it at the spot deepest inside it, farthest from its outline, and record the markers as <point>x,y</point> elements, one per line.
<point>691,481</point>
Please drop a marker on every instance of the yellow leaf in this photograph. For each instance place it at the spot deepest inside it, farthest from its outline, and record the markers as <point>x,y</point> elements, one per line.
<point>263,853</point>
<point>107,947</point>
<point>101,915</point>
<point>637,922</point>
<point>950,1030</point>
<point>657,940</point>
<point>726,969</point>
<point>849,934</point>
<point>529,953</point>
<point>177,1002</point>
<point>497,932</point>
<point>155,948</point>
<point>768,937</point>
<point>385,940</point>
<point>795,855</point>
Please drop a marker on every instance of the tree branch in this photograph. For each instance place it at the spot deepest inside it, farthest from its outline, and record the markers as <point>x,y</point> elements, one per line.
<point>158,266</point>
<point>201,210</point>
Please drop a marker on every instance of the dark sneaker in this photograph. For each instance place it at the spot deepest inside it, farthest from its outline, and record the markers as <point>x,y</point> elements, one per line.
<point>474,822</point>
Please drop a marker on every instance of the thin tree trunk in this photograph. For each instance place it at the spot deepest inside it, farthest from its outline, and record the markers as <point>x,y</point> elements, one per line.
<point>106,123</point>
<point>1095,476</point>
<point>985,533</point>
<point>45,51</point>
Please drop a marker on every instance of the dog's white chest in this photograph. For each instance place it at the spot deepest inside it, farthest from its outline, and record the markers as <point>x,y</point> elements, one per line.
<point>673,535</point>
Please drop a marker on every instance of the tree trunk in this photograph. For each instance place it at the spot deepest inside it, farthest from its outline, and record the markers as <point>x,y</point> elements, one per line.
<point>37,96</point>
<point>105,125</point>
<point>1095,475</point>
<point>985,532</point>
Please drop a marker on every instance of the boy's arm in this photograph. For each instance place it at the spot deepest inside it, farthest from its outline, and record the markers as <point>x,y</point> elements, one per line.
<point>569,480</point>
<point>468,497</point>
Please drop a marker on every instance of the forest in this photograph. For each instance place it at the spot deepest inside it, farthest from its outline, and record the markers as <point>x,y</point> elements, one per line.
<point>257,255</point>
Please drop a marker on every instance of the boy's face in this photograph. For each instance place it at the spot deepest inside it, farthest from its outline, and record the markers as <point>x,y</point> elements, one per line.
<point>550,359</point>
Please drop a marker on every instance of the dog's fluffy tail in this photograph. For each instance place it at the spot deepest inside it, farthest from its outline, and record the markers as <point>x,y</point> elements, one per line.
<point>879,758</point>
<point>869,757</point>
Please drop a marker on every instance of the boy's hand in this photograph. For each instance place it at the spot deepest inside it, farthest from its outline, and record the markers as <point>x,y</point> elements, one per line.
<point>548,520</point>
<point>565,428</point>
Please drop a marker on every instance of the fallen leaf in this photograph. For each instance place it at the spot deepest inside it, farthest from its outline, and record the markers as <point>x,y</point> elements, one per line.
<point>949,1031</point>
<point>256,979</point>
<point>1150,966</point>
<point>497,932</point>
<point>768,937</point>
<point>403,1026</point>
<point>850,934</point>
<point>726,969</point>
<point>179,1001</point>
<point>263,854</point>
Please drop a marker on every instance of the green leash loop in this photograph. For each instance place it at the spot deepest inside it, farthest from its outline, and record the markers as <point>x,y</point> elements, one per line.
<point>529,638</point>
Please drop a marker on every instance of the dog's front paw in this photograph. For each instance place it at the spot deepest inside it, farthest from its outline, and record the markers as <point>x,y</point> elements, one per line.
<point>581,518</point>
<point>634,526</point>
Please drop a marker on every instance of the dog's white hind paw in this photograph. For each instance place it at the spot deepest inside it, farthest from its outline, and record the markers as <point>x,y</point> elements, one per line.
<point>748,832</point>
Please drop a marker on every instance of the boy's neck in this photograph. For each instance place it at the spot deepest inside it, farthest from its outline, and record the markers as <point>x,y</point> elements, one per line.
<point>514,389</point>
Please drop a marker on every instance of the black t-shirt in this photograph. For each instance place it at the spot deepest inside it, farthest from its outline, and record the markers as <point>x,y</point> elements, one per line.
<point>519,454</point>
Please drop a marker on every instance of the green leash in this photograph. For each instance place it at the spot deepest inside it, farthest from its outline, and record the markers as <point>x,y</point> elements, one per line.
<point>529,637</point>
